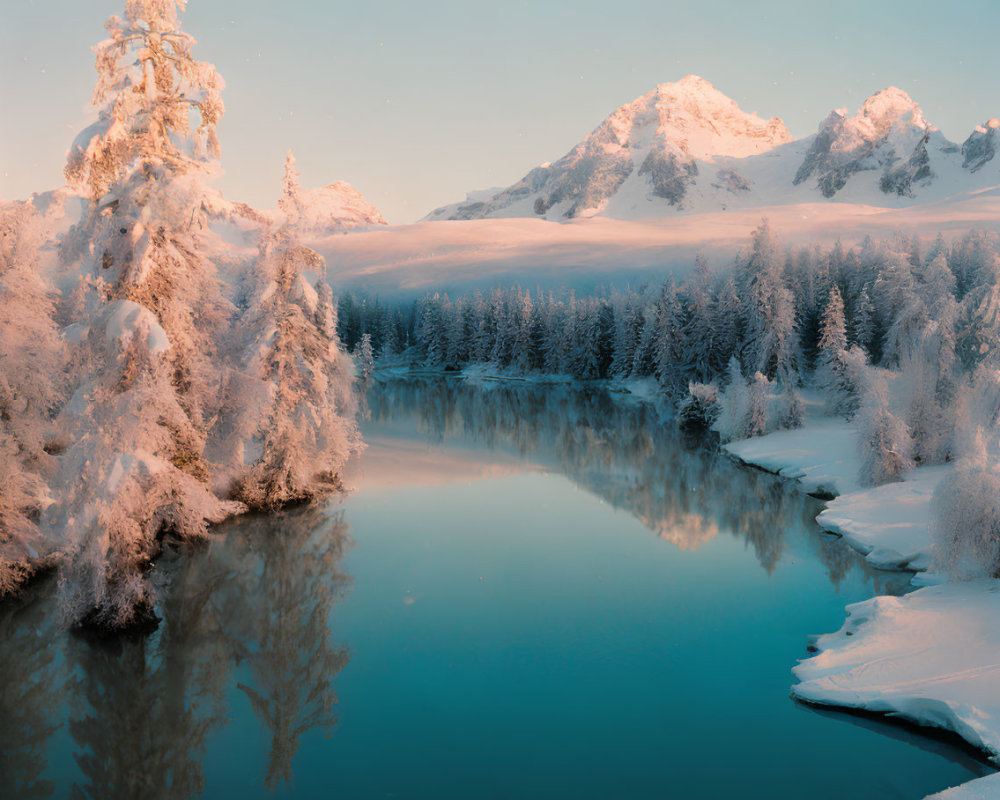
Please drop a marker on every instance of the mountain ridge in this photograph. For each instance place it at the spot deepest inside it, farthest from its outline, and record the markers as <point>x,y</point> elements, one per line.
<point>687,147</point>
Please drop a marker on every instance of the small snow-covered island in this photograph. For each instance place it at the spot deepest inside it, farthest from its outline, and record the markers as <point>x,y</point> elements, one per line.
<point>297,502</point>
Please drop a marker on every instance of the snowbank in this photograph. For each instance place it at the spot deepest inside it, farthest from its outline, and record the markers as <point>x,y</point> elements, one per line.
<point>822,455</point>
<point>890,524</point>
<point>987,788</point>
<point>931,657</point>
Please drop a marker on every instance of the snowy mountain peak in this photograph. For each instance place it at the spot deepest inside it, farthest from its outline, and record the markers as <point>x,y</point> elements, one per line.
<point>703,122</point>
<point>652,146</point>
<point>888,135</point>
<point>892,106</point>
<point>687,147</point>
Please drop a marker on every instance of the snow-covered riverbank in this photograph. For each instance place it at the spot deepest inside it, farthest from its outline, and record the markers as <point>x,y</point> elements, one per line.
<point>931,657</point>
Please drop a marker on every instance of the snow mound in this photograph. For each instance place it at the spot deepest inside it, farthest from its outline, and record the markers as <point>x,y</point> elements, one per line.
<point>337,208</point>
<point>987,788</point>
<point>931,657</point>
<point>890,524</point>
<point>822,455</point>
<point>127,319</point>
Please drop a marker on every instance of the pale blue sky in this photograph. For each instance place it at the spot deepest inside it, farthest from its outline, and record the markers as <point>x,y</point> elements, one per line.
<point>417,102</point>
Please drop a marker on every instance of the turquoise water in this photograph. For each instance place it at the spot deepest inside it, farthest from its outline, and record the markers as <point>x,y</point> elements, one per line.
<point>533,593</point>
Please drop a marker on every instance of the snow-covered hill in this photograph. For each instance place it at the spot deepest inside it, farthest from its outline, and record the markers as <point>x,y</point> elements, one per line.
<point>686,147</point>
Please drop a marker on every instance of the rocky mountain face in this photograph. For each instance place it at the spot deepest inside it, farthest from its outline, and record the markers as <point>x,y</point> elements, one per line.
<point>687,147</point>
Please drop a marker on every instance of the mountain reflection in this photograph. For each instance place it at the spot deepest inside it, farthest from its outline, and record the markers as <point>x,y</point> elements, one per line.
<point>630,454</point>
<point>249,610</point>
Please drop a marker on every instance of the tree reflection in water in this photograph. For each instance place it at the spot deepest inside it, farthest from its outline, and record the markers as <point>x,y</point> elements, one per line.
<point>248,613</point>
<point>32,679</point>
<point>632,455</point>
<point>258,598</point>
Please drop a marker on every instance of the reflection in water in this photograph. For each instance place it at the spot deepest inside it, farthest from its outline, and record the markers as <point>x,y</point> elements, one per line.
<point>248,615</point>
<point>31,689</point>
<point>632,455</point>
<point>280,628</point>
<point>257,598</point>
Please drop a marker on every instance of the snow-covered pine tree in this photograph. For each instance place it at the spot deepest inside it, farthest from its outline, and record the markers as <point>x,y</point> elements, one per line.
<point>884,441</point>
<point>966,516</point>
<point>290,201</point>
<point>365,357</point>
<point>148,310</point>
<point>628,328</point>
<point>861,325</point>
<point>32,388</point>
<point>698,334</point>
<point>305,406</point>
<point>669,343</point>
<point>770,344</point>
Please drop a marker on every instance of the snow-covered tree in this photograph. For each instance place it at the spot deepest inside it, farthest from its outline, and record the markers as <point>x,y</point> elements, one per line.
<point>833,327</point>
<point>884,441</point>
<point>734,404</point>
<point>159,108</point>
<point>770,342</point>
<point>147,315</point>
<point>306,428</point>
<point>365,357</point>
<point>32,388</point>
<point>966,516</point>
<point>756,420</point>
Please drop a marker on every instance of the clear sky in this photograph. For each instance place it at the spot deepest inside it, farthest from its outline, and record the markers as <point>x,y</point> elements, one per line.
<point>416,103</point>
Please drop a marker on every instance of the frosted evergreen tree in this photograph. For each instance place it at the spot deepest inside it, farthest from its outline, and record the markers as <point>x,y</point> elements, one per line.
<point>861,326</point>
<point>32,389</point>
<point>365,357</point>
<point>698,333</point>
<point>884,441</point>
<point>669,343</point>
<point>150,91</point>
<point>304,407</point>
<point>150,311</point>
<point>832,328</point>
<point>725,315</point>
<point>290,201</point>
<point>834,367</point>
<point>966,516</point>
<point>734,404</point>
<point>628,329</point>
<point>770,342</point>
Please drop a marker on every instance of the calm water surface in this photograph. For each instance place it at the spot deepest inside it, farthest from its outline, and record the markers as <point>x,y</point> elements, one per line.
<point>533,593</point>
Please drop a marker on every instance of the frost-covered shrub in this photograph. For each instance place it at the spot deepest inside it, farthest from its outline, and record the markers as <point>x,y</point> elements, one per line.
<point>966,521</point>
<point>734,403</point>
<point>756,419</point>
<point>744,408</point>
<point>791,412</point>
<point>700,408</point>
<point>884,441</point>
